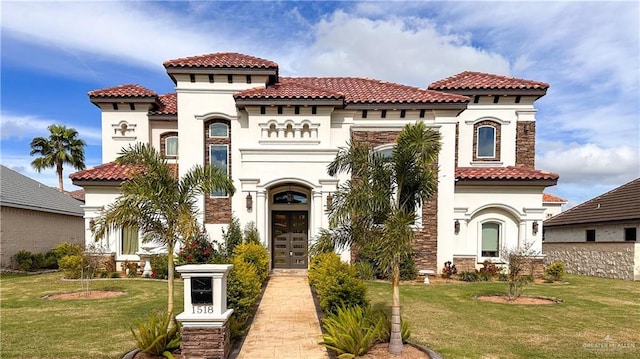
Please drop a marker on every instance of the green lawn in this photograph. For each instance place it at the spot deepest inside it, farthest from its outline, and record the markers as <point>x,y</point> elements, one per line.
<point>33,327</point>
<point>443,317</point>
<point>446,318</point>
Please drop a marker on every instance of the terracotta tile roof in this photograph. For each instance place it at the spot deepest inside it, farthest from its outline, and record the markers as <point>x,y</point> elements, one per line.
<point>222,60</point>
<point>78,194</point>
<point>129,90</point>
<point>105,172</point>
<point>470,80</point>
<point>619,204</point>
<point>546,197</point>
<point>110,171</point>
<point>168,105</point>
<point>517,173</point>
<point>354,91</point>
<point>289,90</point>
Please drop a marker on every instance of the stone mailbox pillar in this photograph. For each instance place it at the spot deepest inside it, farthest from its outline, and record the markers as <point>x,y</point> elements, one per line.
<point>205,320</point>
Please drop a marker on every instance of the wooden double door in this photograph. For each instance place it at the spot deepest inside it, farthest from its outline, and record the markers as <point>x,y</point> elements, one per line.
<point>290,242</point>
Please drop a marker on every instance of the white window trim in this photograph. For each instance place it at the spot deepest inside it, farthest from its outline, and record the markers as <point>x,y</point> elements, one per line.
<point>210,164</point>
<point>218,124</point>
<point>495,140</point>
<point>166,146</point>
<point>501,233</point>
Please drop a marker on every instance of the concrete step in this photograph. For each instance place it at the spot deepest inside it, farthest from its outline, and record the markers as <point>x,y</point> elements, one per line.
<point>289,272</point>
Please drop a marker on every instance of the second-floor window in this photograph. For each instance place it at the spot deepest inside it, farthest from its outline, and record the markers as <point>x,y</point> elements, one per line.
<point>486,142</point>
<point>218,130</point>
<point>171,146</point>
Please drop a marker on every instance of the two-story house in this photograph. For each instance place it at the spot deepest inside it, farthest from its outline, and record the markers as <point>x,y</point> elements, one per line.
<point>276,135</point>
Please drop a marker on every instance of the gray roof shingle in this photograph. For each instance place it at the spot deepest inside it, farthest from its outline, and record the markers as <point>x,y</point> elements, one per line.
<point>619,204</point>
<point>19,191</point>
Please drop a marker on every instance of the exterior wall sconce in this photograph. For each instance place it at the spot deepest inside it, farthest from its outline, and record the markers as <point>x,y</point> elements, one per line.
<point>456,227</point>
<point>329,202</point>
<point>534,228</point>
<point>249,202</point>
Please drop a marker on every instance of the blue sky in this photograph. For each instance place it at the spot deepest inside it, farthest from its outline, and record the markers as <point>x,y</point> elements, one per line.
<point>588,124</point>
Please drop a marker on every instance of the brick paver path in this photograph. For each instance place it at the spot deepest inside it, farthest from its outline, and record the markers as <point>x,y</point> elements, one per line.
<point>286,324</point>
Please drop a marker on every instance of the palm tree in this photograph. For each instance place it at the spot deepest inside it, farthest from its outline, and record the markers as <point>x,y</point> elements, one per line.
<point>62,147</point>
<point>161,205</point>
<point>379,201</point>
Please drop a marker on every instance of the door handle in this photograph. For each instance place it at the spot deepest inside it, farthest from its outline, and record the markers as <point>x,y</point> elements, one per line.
<point>290,254</point>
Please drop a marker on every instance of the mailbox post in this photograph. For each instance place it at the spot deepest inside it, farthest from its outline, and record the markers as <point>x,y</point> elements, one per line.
<point>205,320</point>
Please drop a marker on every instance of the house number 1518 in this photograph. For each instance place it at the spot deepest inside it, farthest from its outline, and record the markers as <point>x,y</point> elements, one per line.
<point>203,309</point>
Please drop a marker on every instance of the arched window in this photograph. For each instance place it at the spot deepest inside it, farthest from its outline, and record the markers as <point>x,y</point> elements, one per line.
<point>171,146</point>
<point>218,130</point>
<point>486,142</point>
<point>290,197</point>
<point>490,239</point>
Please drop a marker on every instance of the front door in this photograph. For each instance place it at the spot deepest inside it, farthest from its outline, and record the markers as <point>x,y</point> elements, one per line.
<point>289,231</point>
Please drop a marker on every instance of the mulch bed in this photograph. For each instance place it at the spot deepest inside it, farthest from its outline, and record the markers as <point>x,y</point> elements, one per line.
<point>92,294</point>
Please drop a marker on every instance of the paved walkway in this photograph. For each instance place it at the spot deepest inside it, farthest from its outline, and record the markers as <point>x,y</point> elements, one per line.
<point>286,324</point>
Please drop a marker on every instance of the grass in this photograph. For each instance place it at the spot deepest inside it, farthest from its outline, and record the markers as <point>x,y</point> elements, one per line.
<point>33,327</point>
<point>446,318</point>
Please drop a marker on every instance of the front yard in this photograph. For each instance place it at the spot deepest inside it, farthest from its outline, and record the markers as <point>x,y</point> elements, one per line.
<point>600,318</point>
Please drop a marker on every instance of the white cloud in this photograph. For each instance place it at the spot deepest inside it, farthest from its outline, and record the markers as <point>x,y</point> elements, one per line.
<point>407,50</point>
<point>21,126</point>
<point>590,163</point>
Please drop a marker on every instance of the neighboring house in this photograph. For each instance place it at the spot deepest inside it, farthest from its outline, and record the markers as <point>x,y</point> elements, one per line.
<point>553,204</point>
<point>598,237</point>
<point>35,217</point>
<point>276,135</point>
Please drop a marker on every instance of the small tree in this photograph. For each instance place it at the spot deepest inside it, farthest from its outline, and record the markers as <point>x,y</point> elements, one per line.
<point>62,147</point>
<point>519,262</point>
<point>231,237</point>
<point>251,234</point>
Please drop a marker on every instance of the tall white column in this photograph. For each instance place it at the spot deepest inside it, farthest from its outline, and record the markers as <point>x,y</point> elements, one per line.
<point>316,212</point>
<point>261,216</point>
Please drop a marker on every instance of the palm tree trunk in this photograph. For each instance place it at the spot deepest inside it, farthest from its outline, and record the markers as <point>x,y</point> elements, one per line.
<point>59,171</point>
<point>170,267</point>
<point>395,340</point>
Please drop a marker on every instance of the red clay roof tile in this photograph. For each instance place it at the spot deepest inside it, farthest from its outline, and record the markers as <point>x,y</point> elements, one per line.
<point>546,197</point>
<point>129,90</point>
<point>470,80</point>
<point>168,105</point>
<point>105,172</point>
<point>222,60</point>
<point>110,171</point>
<point>503,173</point>
<point>354,91</point>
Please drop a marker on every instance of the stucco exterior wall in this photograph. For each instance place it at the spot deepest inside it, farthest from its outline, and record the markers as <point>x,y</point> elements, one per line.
<point>35,231</point>
<point>577,233</point>
<point>619,260</point>
<point>113,140</point>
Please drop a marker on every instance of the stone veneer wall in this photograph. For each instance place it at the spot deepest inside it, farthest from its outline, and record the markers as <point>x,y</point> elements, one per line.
<point>465,264</point>
<point>217,209</point>
<point>526,144</point>
<point>205,342</point>
<point>425,244</point>
<point>604,259</point>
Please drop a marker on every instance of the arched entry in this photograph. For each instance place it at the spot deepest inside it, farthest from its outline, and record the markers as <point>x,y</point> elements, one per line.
<point>289,205</point>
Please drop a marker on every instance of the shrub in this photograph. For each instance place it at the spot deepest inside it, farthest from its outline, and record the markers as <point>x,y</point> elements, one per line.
<point>197,250</point>
<point>554,272</point>
<point>448,270</point>
<point>322,265</point>
<point>255,254</point>
<point>251,234</point>
<point>484,276</point>
<point>66,249</point>
<point>470,276</point>
<point>341,288</point>
<point>156,336</point>
<point>408,270</point>
<point>243,290</point>
<point>232,237</point>
<point>24,260</point>
<point>368,253</point>
<point>365,271</point>
<point>73,265</point>
<point>50,261</point>
<point>159,266</point>
<point>130,269</point>
<point>350,331</point>
<point>490,269</point>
